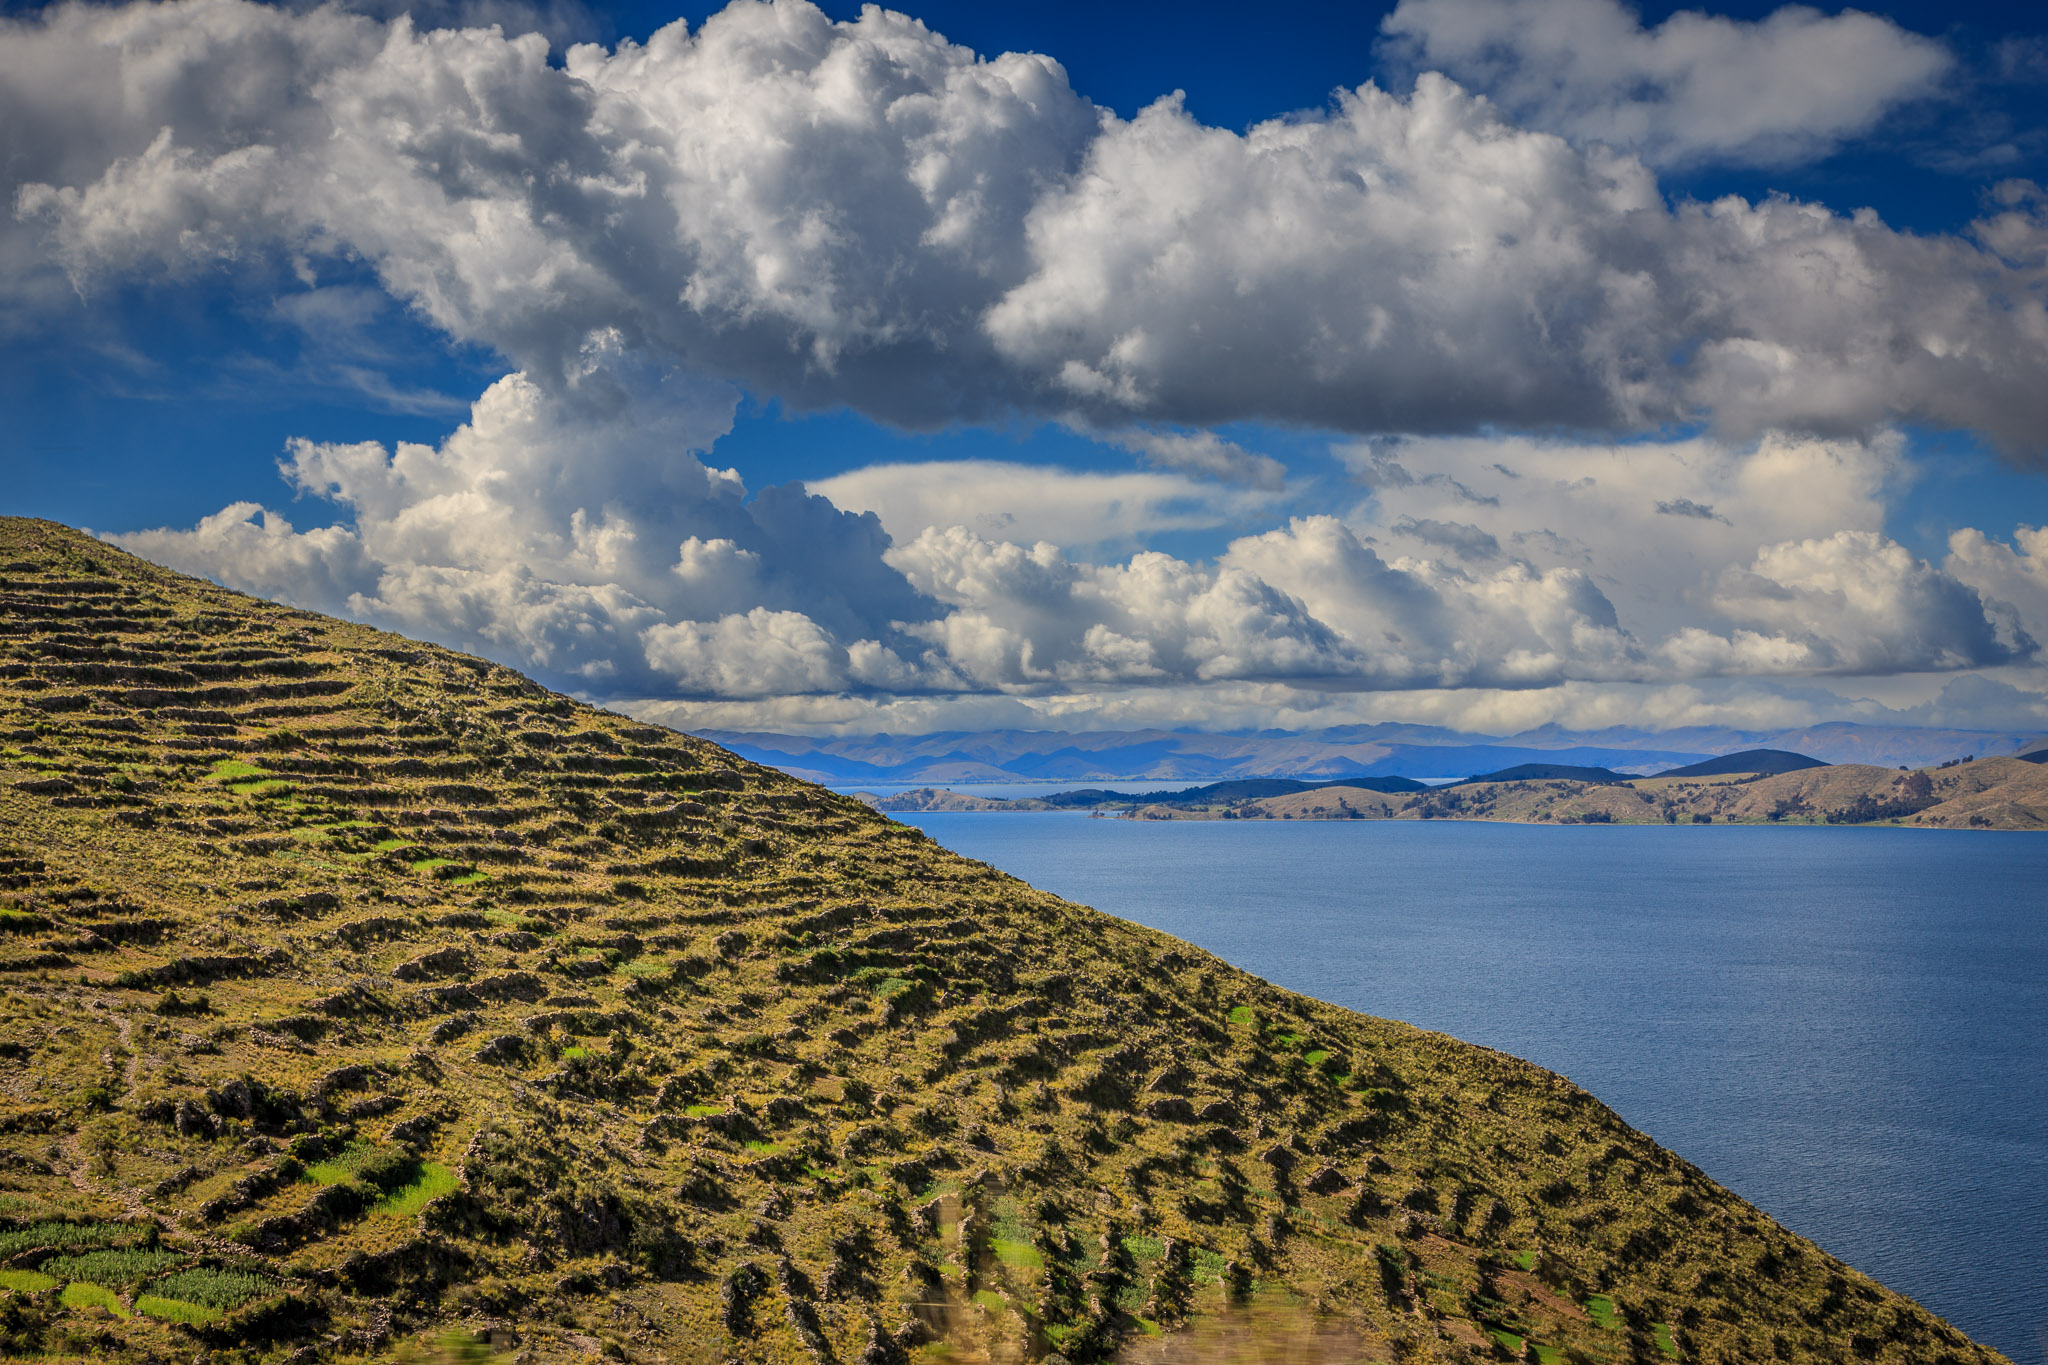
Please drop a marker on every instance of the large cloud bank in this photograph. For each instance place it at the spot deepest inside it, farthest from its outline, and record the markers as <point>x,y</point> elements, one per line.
<point>864,213</point>
<point>585,543</point>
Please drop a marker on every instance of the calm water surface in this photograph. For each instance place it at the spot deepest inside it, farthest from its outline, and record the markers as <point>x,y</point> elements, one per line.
<point>1847,1027</point>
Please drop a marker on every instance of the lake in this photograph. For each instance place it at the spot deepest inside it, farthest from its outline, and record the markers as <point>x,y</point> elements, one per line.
<point>1848,1027</point>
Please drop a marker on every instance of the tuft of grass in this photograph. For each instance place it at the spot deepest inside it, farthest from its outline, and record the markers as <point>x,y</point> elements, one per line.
<point>385,1167</point>
<point>1600,1308</point>
<point>207,1288</point>
<point>1021,1254</point>
<point>1526,1260</point>
<point>1660,1333</point>
<point>406,1201</point>
<point>265,787</point>
<point>1242,1015</point>
<point>25,1281</point>
<point>61,1236</point>
<point>110,1267</point>
<point>235,770</point>
<point>79,1294</point>
<point>175,1310</point>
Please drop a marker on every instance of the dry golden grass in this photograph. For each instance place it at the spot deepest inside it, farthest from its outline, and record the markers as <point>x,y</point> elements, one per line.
<point>302,924</point>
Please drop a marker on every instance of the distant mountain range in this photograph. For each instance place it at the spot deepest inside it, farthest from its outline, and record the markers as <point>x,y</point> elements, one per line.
<point>1386,750</point>
<point>1761,786</point>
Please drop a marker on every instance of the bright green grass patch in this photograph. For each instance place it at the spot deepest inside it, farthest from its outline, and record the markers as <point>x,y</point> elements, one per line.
<point>573,1053</point>
<point>1208,1265</point>
<point>1289,1040</point>
<point>25,1281</point>
<point>391,845</point>
<point>406,1201</point>
<point>207,1287</point>
<point>60,1236</point>
<point>1144,1248</point>
<point>1600,1308</point>
<point>1660,1333</point>
<point>703,1111</point>
<point>644,967</point>
<point>384,1167</point>
<point>175,1310</point>
<point>1316,1058</point>
<point>765,1148</point>
<point>267,787</point>
<point>1021,1254</point>
<point>110,1267</point>
<point>1241,1015</point>
<point>429,864</point>
<point>1546,1355</point>
<point>235,770</point>
<point>1507,1339</point>
<point>470,879</point>
<point>1525,1259</point>
<point>81,1295</point>
<point>992,1301</point>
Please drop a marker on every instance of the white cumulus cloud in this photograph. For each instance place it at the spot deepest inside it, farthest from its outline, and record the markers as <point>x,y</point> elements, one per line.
<point>863,213</point>
<point>1788,87</point>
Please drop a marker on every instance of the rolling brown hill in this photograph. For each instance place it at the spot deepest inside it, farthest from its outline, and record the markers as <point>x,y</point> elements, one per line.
<point>1987,793</point>
<point>360,1000</point>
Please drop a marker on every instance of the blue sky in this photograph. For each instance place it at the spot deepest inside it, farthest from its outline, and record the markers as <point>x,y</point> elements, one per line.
<point>1099,447</point>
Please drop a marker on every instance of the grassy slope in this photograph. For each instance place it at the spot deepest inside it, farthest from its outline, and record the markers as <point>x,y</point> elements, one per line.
<point>430,998</point>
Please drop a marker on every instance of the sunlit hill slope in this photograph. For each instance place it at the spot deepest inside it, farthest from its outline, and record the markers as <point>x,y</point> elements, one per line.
<point>358,998</point>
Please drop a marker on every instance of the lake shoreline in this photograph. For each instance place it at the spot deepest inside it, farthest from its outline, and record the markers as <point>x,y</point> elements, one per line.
<point>1993,794</point>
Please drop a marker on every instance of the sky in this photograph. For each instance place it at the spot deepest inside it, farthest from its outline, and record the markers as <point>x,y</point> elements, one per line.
<point>1483,363</point>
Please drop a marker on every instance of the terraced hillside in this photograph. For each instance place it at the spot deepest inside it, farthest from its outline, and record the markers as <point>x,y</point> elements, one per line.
<point>357,993</point>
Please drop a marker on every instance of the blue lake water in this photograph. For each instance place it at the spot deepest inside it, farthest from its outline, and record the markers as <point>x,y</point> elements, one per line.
<point>1848,1027</point>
